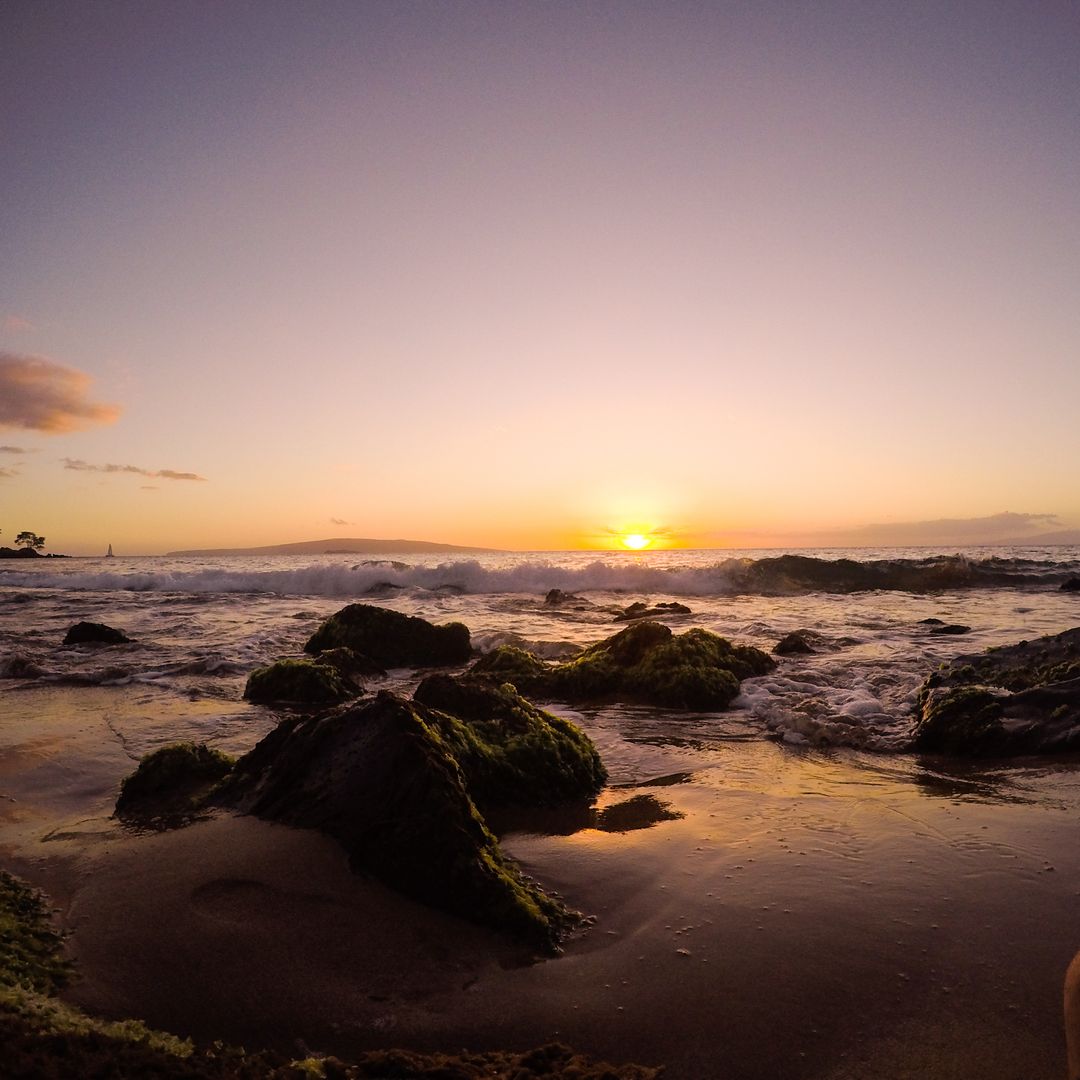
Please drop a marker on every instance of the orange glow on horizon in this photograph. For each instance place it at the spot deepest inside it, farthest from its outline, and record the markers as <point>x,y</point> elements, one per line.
<point>636,541</point>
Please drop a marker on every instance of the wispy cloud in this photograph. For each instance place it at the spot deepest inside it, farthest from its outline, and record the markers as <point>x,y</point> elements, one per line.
<point>78,465</point>
<point>16,324</point>
<point>339,521</point>
<point>7,474</point>
<point>14,450</point>
<point>40,395</point>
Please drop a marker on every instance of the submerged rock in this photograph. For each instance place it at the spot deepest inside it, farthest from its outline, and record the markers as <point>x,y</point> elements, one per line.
<point>511,752</point>
<point>382,778</point>
<point>1018,699</point>
<point>1072,585</point>
<point>172,783</point>
<point>644,663</point>
<point>391,639</point>
<point>794,644</point>
<point>92,633</point>
<point>20,666</point>
<point>556,597</point>
<point>950,628</point>
<point>299,682</point>
<point>640,610</point>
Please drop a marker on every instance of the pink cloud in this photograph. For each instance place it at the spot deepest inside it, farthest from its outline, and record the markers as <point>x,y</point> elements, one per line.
<point>16,324</point>
<point>40,395</point>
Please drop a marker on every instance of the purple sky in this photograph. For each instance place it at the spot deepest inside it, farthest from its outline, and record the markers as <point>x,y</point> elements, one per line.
<point>533,275</point>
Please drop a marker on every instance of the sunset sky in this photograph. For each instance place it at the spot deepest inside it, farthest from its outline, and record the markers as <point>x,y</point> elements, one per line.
<point>536,275</point>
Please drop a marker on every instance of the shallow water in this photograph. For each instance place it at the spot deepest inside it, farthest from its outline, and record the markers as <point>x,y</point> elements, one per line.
<point>828,906</point>
<point>201,625</point>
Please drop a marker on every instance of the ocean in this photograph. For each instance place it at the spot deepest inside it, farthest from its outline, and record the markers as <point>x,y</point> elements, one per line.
<point>790,875</point>
<point>201,624</point>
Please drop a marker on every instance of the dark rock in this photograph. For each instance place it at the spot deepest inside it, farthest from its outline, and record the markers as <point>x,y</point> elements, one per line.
<point>172,783</point>
<point>385,562</point>
<point>85,633</point>
<point>350,664</point>
<point>383,588</point>
<point>950,628</point>
<point>793,644</point>
<point>510,751</point>
<point>1072,585</point>
<point>300,682</point>
<point>382,779</point>
<point>931,622</point>
<point>1019,699</point>
<point>558,598</point>
<point>391,639</point>
<point>641,610</point>
<point>644,663</point>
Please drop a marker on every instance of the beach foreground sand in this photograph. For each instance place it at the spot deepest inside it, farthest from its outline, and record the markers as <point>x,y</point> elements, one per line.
<point>260,935</point>
<point>811,914</point>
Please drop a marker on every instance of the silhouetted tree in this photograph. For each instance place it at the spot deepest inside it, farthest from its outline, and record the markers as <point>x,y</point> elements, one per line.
<point>30,540</point>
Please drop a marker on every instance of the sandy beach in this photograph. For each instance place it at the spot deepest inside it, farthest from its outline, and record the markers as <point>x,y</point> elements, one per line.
<point>811,914</point>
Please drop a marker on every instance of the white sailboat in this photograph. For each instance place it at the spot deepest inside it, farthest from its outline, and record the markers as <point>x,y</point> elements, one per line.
<point>109,554</point>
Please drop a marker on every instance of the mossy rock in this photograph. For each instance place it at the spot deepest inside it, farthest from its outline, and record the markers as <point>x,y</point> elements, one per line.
<point>511,752</point>
<point>508,663</point>
<point>382,778</point>
<point>391,639</point>
<point>299,682</point>
<point>350,664</point>
<point>644,663</point>
<point>31,949</point>
<point>1017,699</point>
<point>958,719</point>
<point>173,783</point>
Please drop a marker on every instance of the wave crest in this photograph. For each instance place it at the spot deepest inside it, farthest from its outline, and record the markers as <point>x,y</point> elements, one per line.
<point>776,575</point>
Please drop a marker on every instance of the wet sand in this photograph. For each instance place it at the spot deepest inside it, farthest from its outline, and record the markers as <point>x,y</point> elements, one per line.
<point>811,915</point>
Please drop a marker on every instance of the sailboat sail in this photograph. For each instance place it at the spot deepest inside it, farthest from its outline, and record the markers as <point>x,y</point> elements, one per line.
<point>109,554</point>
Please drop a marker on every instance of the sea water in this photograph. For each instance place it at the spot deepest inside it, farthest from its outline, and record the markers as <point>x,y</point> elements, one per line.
<point>201,624</point>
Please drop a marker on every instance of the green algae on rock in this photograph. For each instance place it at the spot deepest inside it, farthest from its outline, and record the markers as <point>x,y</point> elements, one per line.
<point>383,780</point>
<point>1017,699</point>
<point>391,639</point>
<point>31,949</point>
<point>644,663</point>
<point>511,752</point>
<point>300,682</point>
<point>173,783</point>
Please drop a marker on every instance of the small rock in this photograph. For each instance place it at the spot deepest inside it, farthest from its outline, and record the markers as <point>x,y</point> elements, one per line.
<point>92,633</point>
<point>792,644</point>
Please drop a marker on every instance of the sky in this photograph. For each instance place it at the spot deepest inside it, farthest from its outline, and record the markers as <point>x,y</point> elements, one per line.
<point>537,275</point>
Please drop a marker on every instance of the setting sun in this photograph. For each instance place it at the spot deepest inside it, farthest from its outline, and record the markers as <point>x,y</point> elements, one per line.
<point>636,541</point>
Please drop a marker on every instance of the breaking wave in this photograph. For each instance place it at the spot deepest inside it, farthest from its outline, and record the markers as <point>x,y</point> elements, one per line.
<point>778,575</point>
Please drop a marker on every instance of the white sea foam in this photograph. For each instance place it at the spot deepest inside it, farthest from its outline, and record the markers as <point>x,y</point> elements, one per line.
<point>675,574</point>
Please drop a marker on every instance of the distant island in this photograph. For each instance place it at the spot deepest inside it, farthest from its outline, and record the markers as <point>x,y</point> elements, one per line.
<point>26,553</point>
<point>346,546</point>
